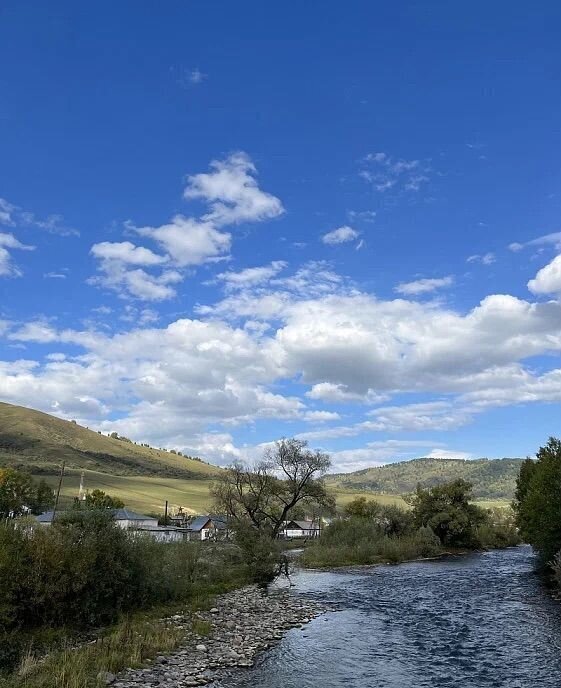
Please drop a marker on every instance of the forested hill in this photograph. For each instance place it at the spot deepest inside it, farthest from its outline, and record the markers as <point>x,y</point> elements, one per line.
<point>491,478</point>
<point>39,442</point>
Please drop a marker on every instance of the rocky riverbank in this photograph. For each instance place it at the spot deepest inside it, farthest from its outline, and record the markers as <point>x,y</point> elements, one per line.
<point>241,625</point>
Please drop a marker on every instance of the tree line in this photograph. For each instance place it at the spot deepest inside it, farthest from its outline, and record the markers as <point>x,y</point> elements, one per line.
<point>537,505</point>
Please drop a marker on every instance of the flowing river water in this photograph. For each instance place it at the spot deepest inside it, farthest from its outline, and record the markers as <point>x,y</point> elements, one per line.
<point>472,621</point>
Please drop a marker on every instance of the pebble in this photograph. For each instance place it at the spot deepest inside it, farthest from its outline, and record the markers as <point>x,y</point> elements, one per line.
<point>244,623</point>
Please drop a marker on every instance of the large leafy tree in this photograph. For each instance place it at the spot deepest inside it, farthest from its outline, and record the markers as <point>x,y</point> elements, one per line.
<point>98,499</point>
<point>19,494</point>
<point>537,502</point>
<point>447,510</point>
<point>266,495</point>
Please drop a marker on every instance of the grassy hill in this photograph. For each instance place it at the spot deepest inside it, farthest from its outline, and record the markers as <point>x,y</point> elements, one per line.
<point>492,479</point>
<point>40,442</point>
<point>142,476</point>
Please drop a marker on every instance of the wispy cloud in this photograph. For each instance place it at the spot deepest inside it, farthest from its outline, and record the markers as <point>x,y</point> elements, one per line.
<point>196,76</point>
<point>385,172</point>
<point>7,266</point>
<point>553,239</point>
<point>12,215</point>
<point>423,286</point>
<point>484,258</point>
<point>251,277</point>
<point>361,215</point>
<point>187,77</point>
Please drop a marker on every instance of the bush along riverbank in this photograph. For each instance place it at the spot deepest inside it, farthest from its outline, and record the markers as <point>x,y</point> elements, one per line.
<point>441,519</point>
<point>58,585</point>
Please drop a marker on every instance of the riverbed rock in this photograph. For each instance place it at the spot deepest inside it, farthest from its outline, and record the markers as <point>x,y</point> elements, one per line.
<point>243,623</point>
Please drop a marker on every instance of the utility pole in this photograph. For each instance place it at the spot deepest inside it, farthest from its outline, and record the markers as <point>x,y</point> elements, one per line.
<point>166,514</point>
<point>58,489</point>
<point>82,492</point>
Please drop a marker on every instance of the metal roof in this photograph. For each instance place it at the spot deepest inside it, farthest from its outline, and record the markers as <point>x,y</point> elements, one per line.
<point>126,515</point>
<point>303,525</point>
<point>118,515</point>
<point>200,522</point>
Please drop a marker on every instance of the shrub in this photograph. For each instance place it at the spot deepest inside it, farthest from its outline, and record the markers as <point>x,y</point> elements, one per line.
<point>83,571</point>
<point>447,510</point>
<point>498,530</point>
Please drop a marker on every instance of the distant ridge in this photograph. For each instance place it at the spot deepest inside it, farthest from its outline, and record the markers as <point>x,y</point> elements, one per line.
<point>491,478</point>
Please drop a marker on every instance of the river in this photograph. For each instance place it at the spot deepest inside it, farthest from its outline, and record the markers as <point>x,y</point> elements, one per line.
<point>472,621</point>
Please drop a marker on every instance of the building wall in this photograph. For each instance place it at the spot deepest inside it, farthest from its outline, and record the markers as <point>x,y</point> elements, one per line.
<point>298,533</point>
<point>144,523</point>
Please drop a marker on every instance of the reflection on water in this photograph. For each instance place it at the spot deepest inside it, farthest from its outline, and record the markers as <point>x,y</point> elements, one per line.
<point>473,622</point>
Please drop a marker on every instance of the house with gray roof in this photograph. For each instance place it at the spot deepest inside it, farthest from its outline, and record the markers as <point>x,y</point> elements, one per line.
<point>124,518</point>
<point>300,529</point>
<point>208,527</point>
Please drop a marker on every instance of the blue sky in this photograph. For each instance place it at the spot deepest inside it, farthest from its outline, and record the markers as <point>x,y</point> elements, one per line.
<point>222,223</point>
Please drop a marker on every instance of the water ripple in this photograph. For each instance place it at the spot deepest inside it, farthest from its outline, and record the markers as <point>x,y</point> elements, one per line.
<point>480,621</point>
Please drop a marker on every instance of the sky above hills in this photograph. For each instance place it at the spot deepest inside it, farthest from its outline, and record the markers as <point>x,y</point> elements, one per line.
<point>222,223</point>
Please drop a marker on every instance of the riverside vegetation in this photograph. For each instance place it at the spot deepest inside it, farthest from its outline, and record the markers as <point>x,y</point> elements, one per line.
<point>60,585</point>
<point>441,519</point>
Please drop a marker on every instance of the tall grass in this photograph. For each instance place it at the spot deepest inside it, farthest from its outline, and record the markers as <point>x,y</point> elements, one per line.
<point>129,644</point>
<point>359,541</point>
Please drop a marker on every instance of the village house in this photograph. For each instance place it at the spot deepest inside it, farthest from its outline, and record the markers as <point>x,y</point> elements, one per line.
<point>124,518</point>
<point>300,529</point>
<point>211,527</point>
<point>137,524</point>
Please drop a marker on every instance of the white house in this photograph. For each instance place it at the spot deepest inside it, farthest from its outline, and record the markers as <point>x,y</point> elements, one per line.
<point>300,529</point>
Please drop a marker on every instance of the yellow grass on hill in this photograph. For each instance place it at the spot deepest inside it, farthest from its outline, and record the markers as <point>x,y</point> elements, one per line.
<point>149,493</point>
<point>146,494</point>
<point>41,442</point>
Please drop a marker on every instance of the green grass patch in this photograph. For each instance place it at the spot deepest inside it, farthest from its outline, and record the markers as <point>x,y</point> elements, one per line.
<point>201,627</point>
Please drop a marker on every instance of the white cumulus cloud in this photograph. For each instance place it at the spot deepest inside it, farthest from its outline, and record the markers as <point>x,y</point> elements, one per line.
<point>548,279</point>
<point>340,235</point>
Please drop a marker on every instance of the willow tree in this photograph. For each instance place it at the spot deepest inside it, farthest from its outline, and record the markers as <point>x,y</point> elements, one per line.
<point>265,495</point>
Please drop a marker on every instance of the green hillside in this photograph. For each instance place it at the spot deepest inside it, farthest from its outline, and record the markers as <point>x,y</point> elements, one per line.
<point>143,477</point>
<point>492,479</point>
<point>39,443</point>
